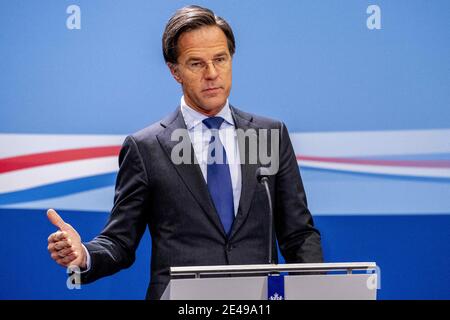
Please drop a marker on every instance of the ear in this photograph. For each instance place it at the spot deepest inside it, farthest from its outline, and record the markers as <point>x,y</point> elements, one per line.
<point>175,72</point>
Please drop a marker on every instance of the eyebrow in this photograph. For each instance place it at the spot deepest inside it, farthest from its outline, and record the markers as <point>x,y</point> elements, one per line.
<point>222,53</point>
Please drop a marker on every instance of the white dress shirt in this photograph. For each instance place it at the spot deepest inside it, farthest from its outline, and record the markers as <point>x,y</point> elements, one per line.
<point>200,137</point>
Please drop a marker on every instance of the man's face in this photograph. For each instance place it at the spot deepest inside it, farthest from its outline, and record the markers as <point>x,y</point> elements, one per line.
<point>204,69</point>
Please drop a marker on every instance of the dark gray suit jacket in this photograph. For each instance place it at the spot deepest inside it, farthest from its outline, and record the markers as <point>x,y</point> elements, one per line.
<point>174,203</point>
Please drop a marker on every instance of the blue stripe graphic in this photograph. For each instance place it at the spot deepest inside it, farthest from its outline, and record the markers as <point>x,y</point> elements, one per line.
<point>59,189</point>
<point>379,175</point>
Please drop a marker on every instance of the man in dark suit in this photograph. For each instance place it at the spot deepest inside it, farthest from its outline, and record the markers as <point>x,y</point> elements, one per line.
<point>208,208</point>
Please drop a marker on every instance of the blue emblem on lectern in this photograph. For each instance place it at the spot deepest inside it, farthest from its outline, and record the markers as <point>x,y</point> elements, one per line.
<point>275,287</point>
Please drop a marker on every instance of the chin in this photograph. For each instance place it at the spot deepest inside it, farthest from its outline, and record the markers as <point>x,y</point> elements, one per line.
<point>215,102</point>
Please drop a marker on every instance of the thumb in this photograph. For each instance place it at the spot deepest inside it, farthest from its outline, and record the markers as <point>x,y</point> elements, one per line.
<point>55,219</point>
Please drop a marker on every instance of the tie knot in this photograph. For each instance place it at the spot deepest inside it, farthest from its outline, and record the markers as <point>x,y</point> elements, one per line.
<point>213,122</point>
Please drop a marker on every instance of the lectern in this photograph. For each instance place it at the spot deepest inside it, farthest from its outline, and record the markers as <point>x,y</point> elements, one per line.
<point>305,281</point>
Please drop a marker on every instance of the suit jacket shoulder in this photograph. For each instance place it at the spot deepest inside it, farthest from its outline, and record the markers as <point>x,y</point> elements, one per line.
<point>149,133</point>
<point>254,120</point>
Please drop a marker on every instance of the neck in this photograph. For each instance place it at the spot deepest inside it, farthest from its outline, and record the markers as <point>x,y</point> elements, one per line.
<point>209,113</point>
<point>206,112</point>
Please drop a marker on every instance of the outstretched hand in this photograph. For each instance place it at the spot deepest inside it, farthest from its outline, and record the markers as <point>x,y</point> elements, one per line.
<point>65,245</point>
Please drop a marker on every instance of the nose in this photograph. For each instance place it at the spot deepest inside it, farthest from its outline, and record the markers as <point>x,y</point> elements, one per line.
<point>211,71</point>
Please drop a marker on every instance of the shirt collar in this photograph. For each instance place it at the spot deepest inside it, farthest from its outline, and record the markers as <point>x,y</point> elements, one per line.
<point>193,118</point>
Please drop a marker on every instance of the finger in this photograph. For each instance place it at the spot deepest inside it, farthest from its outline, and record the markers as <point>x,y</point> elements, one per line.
<point>62,245</point>
<point>59,236</point>
<point>64,261</point>
<point>56,236</point>
<point>61,263</point>
<point>51,247</point>
<point>66,252</point>
<point>55,219</point>
<point>71,257</point>
<point>57,257</point>
<point>53,237</point>
<point>50,238</point>
<point>67,259</point>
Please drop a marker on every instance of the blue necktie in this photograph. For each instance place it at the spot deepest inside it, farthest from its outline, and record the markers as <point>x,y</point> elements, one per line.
<point>218,175</point>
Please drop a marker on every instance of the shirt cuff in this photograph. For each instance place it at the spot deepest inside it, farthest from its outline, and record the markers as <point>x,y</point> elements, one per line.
<point>88,260</point>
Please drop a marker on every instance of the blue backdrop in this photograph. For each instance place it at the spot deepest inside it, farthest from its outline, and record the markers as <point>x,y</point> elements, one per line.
<point>363,90</point>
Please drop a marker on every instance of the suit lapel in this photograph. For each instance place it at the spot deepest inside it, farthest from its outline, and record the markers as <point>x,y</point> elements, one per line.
<point>248,171</point>
<point>191,174</point>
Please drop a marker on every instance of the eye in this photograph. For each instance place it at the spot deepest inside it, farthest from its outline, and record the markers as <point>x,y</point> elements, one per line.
<point>220,60</point>
<point>195,64</point>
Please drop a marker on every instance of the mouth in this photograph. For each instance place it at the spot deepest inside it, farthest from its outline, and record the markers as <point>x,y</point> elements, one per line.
<point>212,90</point>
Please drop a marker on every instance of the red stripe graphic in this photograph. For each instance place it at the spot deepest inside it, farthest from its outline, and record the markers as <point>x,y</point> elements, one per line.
<point>52,157</point>
<point>391,163</point>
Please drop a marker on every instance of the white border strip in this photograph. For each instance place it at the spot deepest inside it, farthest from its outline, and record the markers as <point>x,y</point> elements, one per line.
<point>371,143</point>
<point>42,175</point>
<point>12,145</point>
